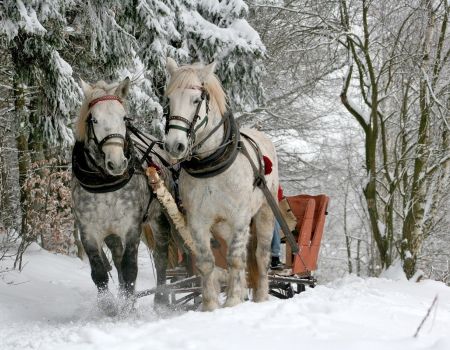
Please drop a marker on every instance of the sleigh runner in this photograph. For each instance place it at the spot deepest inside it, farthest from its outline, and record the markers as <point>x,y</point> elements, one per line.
<point>303,214</point>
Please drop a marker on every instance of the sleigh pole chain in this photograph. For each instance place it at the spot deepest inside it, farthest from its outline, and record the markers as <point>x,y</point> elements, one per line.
<point>188,281</point>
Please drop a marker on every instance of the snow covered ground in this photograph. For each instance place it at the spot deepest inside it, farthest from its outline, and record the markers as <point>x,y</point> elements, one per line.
<point>51,305</point>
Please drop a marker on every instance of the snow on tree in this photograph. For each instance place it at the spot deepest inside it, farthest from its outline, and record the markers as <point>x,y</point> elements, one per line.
<point>134,38</point>
<point>35,33</point>
<point>202,31</point>
<point>50,44</point>
<point>217,30</point>
<point>392,58</point>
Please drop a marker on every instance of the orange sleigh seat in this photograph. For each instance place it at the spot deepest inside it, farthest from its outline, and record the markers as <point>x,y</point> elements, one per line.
<point>310,212</point>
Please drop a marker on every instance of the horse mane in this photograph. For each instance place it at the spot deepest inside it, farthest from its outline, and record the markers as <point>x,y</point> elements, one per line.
<point>99,89</point>
<point>183,78</point>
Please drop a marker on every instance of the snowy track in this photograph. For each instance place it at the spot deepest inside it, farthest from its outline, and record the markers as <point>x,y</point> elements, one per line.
<point>51,305</point>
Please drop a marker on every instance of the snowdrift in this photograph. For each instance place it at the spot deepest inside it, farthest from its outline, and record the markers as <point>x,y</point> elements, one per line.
<point>51,305</point>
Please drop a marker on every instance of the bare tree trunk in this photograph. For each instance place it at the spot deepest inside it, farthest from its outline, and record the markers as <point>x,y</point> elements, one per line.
<point>413,234</point>
<point>22,149</point>
<point>347,238</point>
<point>358,258</point>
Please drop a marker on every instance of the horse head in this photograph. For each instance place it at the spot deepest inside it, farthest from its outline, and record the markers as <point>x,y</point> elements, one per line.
<point>102,124</point>
<point>193,91</point>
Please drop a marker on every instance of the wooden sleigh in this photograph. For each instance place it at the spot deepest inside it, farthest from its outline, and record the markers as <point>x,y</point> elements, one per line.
<point>310,212</point>
<point>184,285</point>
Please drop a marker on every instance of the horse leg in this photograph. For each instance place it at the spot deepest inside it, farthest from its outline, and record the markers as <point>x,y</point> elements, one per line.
<point>114,243</point>
<point>161,234</point>
<point>204,261</point>
<point>236,259</point>
<point>129,262</point>
<point>264,223</point>
<point>99,274</point>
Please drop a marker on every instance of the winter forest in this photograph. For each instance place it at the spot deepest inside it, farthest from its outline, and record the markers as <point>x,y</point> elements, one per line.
<point>355,95</point>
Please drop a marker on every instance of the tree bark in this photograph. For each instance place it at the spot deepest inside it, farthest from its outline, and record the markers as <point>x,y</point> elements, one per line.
<point>412,235</point>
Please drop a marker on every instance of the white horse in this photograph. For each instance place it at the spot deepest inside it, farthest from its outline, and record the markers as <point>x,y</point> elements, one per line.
<point>217,180</point>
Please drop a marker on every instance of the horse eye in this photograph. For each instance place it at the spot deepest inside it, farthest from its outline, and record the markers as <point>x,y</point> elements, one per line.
<point>196,100</point>
<point>94,121</point>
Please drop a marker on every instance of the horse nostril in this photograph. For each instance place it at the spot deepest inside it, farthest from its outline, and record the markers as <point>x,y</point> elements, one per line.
<point>180,148</point>
<point>110,165</point>
<point>125,163</point>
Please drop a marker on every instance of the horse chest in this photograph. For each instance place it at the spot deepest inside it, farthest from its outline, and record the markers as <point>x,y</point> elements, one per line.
<point>215,196</point>
<point>114,212</point>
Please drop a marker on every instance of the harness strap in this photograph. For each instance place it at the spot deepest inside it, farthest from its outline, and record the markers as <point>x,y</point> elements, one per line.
<point>260,181</point>
<point>222,158</point>
<point>179,127</point>
<point>259,175</point>
<point>145,217</point>
<point>190,129</point>
<point>101,143</point>
<point>144,138</point>
<point>147,153</point>
<point>110,136</point>
<point>204,95</point>
<point>204,121</point>
<point>200,143</point>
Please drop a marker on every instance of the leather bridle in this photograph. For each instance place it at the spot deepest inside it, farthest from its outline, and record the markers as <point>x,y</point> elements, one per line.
<point>91,121</point>
<point>191,128</point>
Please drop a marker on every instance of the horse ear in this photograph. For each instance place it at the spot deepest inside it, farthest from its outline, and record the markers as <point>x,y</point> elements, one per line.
<point>171,65</point>
<point>123,88</point>
<point>87,88</point>
<point>207,70</point>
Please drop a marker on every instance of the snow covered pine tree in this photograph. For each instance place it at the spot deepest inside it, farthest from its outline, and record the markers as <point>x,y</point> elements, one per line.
<point>50,41</point>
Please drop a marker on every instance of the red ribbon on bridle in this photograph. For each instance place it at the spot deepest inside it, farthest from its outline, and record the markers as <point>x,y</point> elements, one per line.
<point>105,98</point>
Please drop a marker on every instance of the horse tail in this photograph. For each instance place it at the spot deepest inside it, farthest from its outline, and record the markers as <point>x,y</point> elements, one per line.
<point>149,239</point>
<point>252,266</point>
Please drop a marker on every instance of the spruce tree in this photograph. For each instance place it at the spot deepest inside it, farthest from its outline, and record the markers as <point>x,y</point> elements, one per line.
<point>191,31</point>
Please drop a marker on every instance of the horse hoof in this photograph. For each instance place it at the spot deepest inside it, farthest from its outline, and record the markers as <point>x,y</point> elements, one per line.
<point>210,306</point>
<point>161,299</point>
<point>127,303</point>
<point>107,304</point>
<point>162,310</point>
<point>261,297</point>
<point>232,302</point>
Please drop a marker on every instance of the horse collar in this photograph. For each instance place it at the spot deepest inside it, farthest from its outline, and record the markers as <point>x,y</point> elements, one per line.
<point>93,178</point>
<point>222,158</point>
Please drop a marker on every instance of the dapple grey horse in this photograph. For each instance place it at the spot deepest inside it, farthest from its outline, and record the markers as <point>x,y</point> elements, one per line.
<point>111,197</point>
